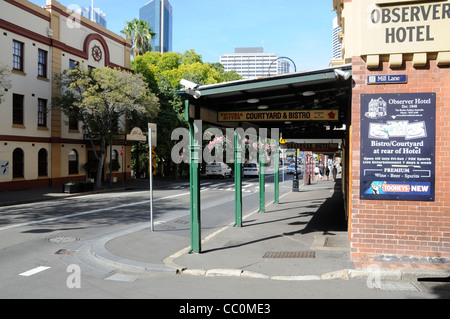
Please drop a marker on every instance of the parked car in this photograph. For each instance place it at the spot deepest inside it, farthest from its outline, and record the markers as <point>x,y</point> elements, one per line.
<point>250,169</point>
<point>291,169</point>
<point>218,169</point>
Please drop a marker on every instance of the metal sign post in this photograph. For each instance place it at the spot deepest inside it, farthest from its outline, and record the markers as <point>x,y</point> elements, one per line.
<point>151,142</point>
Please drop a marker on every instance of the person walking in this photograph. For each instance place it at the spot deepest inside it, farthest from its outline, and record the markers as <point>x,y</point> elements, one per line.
<point>334,172</point>
<point>316,173</point>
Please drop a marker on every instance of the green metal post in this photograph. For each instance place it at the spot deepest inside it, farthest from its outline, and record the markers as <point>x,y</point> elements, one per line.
<point>237,180</point>
<point>276,180</point>
<point>262,188</point>
<point>194,177</point>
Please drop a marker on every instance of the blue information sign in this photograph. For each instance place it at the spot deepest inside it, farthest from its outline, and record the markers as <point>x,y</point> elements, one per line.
<point>387,79</point>
<point>398,146</point>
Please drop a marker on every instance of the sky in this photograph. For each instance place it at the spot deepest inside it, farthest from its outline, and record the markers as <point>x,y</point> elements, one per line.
<point>298,29</point>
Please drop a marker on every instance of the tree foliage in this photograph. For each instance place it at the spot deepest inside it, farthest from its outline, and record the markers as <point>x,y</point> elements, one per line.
<point>163,73</point>
<point>140,34</point>
<point>100,98</point>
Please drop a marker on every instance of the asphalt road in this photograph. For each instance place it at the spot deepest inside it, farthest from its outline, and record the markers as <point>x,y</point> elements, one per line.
<point>32,237</point>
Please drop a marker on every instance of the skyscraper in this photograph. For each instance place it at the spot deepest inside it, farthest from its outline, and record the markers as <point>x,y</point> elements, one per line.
<point>337,45</point>
<point>99,16</point>
<point>253,62</point>
<point>159,15</point>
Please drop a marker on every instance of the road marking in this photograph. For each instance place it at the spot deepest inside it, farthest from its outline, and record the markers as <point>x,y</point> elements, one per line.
<point>52,219</point>
<point>88,212</point>
<point>34,271</point>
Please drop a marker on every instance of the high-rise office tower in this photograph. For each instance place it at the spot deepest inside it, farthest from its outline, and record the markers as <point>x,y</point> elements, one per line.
<point>337,45</point>
<point>93,14</point>
<point>159,15</point>
<point>253,62</point>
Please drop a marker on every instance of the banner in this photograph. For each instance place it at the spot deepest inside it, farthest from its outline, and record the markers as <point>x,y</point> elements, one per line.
<point>398,146</point>
<point>295,115</point>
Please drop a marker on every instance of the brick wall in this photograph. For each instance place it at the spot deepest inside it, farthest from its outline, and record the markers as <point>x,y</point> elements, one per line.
<point>412,229</point>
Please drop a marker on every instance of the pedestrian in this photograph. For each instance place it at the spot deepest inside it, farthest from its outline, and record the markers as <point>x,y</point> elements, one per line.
<point>327,173</point>
<point>334,172</point>
<point>316,173</point>
<point>321,172</point>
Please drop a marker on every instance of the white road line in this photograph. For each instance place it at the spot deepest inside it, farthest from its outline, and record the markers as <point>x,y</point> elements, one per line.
<point>87,213</point>
<point>34,271</point>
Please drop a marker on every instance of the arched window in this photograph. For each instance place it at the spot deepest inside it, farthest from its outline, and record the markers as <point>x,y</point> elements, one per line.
<point>115,155</point>
<point>73,162</point>
<point>42,162</point>
<point>18,163</point>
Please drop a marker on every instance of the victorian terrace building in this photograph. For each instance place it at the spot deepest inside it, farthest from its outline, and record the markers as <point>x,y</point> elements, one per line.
<point>40,146</point>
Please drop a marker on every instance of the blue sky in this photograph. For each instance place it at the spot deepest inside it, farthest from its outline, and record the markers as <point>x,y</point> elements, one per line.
<point>298,29</point>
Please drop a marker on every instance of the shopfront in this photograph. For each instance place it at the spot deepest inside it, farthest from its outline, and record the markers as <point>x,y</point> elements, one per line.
<point>399,132</point>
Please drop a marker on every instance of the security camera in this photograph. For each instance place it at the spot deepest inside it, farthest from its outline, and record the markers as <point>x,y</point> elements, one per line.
<point>196,94</point>
<point>344,74</point>
<point>189,85</point>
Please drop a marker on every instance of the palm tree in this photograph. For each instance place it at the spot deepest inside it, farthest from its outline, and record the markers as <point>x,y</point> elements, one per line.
<point>140,34</point>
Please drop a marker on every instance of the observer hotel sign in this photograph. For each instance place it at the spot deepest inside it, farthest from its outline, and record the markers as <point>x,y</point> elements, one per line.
<point>392,28</point>
<point>398,146</point>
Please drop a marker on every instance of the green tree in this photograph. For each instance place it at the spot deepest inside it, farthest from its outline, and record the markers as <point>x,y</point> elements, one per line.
<point>140,34</point>
<point>101,97</point>
<point>163,72</point>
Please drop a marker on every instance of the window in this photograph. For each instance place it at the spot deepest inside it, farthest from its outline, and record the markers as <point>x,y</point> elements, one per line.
<point>18,109</point>
<point>18,163</point>
<point>73,122</point>
<point>43,162</point>
<point>42,113</point>
<point>73,64</point>
<point>42,63</point>
<point>73,162</point>
<point>115,155</point>
<point>18,55</point>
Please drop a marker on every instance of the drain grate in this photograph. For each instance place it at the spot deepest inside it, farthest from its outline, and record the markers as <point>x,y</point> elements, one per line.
<point>290,254</point>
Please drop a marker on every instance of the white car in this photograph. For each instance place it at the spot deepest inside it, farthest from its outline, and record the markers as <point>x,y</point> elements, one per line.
<point>250,169</point>
<point>291,169</point>
<point>218,169</point>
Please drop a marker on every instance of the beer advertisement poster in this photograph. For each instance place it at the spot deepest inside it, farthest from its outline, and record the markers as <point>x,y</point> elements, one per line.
<point>398,146</point>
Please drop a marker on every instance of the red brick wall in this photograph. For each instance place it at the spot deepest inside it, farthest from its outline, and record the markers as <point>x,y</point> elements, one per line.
<point>403,228</point>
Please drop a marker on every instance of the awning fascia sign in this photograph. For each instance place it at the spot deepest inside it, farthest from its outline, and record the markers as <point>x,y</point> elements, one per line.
<point>271,116</point>
<point>313,147</point>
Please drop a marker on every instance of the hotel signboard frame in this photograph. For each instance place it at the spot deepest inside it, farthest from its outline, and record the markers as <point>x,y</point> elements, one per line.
<point>398,146</point>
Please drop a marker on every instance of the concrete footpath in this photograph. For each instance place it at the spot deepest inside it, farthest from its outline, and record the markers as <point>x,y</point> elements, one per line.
<point>304,237</point>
